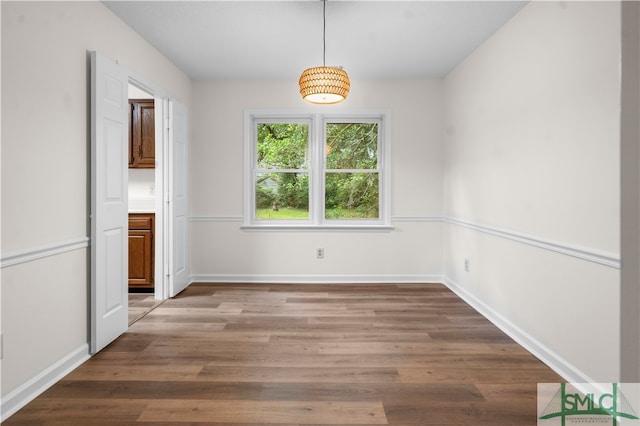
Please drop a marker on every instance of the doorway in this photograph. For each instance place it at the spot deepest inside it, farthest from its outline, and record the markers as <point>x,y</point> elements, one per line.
<point>144,228</point>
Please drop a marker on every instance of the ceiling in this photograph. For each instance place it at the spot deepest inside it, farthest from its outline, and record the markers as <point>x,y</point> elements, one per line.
<point>279,39</point>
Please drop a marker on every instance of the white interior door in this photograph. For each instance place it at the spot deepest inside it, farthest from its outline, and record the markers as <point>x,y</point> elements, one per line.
<point>109,199</point>
<point>178,135</point>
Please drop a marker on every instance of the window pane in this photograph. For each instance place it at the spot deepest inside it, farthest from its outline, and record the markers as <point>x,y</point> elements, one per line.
<point>282,196</point>
<point>351,196</point>
<point>282,145</point>
<point>352,146</point>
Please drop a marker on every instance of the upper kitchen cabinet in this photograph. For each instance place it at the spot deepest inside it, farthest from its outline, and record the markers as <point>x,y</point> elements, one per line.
<point>142,141</point>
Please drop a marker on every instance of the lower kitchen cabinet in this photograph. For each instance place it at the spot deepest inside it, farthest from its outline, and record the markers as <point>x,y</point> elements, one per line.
<point>141,251</point>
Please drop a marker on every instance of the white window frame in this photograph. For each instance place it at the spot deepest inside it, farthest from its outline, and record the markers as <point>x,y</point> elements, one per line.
<point>316,169</point>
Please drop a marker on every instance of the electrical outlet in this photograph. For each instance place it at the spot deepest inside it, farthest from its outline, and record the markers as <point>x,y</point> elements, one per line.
<point>320,253</point>
<point>466,265</point>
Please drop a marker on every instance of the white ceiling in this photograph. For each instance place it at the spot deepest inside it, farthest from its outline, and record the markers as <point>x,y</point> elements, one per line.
<point>279,39</point>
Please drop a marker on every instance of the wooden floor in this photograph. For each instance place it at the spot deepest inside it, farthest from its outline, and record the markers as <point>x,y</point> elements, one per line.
<point>302,354</point>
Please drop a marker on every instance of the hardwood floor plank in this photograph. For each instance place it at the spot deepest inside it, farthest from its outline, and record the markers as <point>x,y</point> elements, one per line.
<point>486,335</point>
<point>459,414</point>
<point>334,336</point>
<point>404,349</point>
<point>298,412</point>
<point>201,312</point>
<point>300,374</point>
<point>155,390</point>
<point>86,411</point>
<point>167,330</point>
<point>385,392</point>
<point>504,375</point>
<point>408,323</point>
<point>152,373</point>
<point>217,340</point>
<point>303,312</point>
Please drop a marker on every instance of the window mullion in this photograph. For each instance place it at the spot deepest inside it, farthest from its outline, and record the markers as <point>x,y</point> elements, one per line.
<point>317,160</point>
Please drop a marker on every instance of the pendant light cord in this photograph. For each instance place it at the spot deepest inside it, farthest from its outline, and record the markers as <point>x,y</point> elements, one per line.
<point>324,33</point>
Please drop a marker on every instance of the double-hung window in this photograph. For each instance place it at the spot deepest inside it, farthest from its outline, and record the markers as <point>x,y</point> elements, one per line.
<point>316,170</point>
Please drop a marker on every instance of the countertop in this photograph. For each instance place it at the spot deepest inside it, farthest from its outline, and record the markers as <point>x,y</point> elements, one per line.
<point>142,205</point>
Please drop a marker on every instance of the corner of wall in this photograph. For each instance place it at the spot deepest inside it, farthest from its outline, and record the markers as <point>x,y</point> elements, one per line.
<point>41,382</point>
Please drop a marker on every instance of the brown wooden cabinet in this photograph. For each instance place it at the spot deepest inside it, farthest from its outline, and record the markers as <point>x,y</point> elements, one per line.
<point>141,250</point>
<point>142,141</point>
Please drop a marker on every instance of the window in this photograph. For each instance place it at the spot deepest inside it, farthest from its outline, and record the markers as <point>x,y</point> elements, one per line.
<point>316,170</point>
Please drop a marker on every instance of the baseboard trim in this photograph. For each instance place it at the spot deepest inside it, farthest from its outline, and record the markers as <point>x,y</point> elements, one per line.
<point>317,279</point>
<point>21,396</point>
<point>34,253</point>
<point>558,364</point>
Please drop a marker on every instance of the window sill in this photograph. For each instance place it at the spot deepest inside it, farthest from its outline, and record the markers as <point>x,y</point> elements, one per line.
<point>318,228</point>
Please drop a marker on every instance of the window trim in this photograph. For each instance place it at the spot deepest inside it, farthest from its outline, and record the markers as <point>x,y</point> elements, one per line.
<point>316,167</point>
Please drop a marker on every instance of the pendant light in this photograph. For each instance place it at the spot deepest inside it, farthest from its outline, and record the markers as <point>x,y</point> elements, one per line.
<point>324,85</point>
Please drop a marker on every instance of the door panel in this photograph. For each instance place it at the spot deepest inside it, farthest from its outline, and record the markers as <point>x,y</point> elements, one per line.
<point>178,156</point>
<point>113,239</point>
<point>111,162</point>
<point>143,140</point>
<point>147,134</point>
<point>109,198</point>
<point>140,258</point>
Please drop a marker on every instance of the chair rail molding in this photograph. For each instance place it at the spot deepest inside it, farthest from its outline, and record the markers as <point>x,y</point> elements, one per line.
<point>30,254</point>
<point>607,259</point>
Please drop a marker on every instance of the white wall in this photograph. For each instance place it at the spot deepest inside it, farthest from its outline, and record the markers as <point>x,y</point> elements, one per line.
<point>45,176</point>
<point>531,183</point>
<point>222,251</point>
